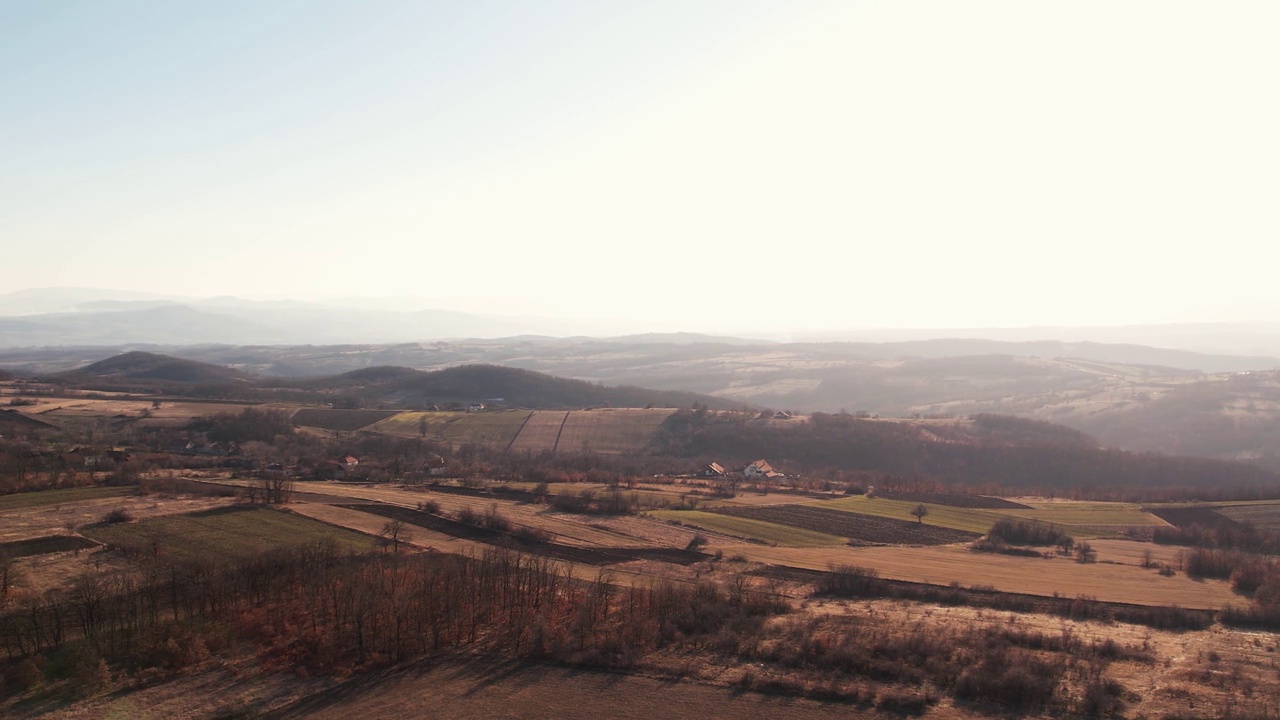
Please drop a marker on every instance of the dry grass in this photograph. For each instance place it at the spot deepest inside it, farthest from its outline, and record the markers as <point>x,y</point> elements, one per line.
<point>1035,576</point>
<point>540,432</point>
<point>225,532</point>
<point>611,430</point>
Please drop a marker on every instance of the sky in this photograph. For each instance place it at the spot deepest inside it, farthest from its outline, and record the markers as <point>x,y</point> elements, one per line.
<point>692,164</point>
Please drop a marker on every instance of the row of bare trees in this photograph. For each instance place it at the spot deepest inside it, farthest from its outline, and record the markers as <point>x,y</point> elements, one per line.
<point>321,608</point>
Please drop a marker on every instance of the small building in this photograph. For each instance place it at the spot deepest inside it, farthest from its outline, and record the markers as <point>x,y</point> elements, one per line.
<point>712,470</point>
<point>350,461</point>
<point>434,465</point>
<point>475,407</point>
<point>760,469</point>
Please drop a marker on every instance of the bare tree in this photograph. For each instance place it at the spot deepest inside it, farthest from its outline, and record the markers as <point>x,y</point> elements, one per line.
<point>396,532</point>
<point>919,512</point>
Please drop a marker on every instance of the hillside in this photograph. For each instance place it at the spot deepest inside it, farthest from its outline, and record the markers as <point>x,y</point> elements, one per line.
<point>140,366</point>
<point>990,452</point>
<point>490,383</point>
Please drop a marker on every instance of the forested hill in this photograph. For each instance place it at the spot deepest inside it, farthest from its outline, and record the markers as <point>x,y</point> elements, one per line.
<point>132,368</point>
<point>991,452</point>
<point>406,387</point>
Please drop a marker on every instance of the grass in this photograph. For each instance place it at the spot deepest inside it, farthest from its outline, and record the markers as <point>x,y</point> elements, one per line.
<point>784,535</point>
<point>235,531</point>
<point>42,498</point>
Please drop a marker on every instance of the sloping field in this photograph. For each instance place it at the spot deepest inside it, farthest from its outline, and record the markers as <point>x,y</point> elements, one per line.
<point>611,430</point>
<point>862,528</point>
<point>480,428</point>
<point>742,527</point>
<point>540,432</point>
<point>224,532</point>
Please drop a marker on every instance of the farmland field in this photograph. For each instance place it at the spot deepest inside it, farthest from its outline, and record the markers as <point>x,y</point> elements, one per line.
<point>540,432</point>
<point>1264,515</point>
<point>611,430</point>
<point>1080,519</point>
<point>603,430</point>
<point>942,565</point>
<point>41,498</point>
<point>481,428</point>
<point>862,528</point>
<point>232,531</point>
<point>748,528</point>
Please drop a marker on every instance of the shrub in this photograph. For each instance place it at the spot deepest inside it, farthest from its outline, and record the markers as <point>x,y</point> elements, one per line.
<point>119,515</point>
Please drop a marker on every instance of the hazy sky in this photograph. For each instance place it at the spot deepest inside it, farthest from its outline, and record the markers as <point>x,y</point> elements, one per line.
<point>705,165</point>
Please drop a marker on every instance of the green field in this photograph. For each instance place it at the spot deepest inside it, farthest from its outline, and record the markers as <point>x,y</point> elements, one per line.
<point>225,532</point>
<point>41,498</point>
<point>784,535</point>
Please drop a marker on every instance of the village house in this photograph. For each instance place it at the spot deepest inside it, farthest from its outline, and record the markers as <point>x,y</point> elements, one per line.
<point>712,470</point>
<point>760,469</point>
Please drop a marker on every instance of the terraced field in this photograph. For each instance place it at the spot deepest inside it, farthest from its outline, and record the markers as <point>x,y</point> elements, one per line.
<point>1263,515</point>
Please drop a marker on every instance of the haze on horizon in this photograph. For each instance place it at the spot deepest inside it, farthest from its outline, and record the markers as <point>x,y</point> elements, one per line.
<point>732,165</point>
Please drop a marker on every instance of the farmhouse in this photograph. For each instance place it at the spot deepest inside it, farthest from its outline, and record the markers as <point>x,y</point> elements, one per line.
<point>760,469</point>
<point>712,470</point>
<point>350,461</point>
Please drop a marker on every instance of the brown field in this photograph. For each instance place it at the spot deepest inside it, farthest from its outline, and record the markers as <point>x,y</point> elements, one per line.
<point>1035,576</point>
<point>540,432</point>
<point>568,528</point>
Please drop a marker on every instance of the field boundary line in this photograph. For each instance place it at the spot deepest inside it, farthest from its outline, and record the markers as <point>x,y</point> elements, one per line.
<point>556,447</point>
<point>516,437</point>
